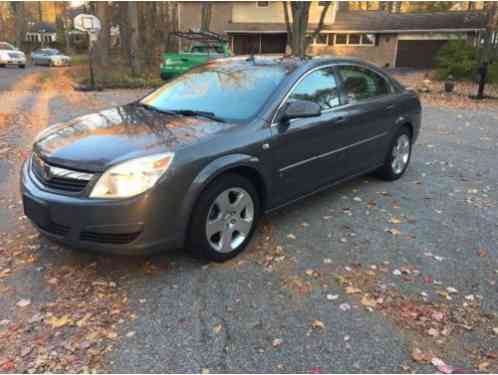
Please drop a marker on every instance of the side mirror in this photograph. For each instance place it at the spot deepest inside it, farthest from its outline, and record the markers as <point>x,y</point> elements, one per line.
<point>299,109</point>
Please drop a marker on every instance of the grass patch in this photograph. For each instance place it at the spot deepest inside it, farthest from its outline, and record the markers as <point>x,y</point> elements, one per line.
<point>117,79</point>
<point>80,59</point>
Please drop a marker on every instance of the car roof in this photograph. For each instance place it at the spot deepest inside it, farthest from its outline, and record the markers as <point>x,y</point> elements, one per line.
<point>307,62</point>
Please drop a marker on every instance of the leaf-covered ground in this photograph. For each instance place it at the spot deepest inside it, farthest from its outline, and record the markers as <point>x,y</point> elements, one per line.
<point>368,277</point>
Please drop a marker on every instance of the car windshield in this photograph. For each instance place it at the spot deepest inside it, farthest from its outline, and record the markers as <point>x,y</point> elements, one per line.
<point>7,47</point>
<point>49,52</point>
<point>207,49</point>
<point>232,92</point>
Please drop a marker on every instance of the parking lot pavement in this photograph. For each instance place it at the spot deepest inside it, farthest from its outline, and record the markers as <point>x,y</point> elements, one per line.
<point>368,277</point>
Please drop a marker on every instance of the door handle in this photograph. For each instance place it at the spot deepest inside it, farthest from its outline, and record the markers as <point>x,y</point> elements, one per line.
<point>390,107</point>
<point>340,119</point>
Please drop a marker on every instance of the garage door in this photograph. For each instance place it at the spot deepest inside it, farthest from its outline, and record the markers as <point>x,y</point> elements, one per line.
<point>417,53</point>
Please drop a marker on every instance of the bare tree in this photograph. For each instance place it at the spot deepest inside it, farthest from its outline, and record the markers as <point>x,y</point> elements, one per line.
<point>134,37</point>
<point>103,43</point>
<point>298,26</point>
<point>206,16</point>
<point>488,47</point>
<point>19,10</point>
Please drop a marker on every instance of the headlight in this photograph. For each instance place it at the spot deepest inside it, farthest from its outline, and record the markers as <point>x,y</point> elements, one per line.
<point>132,177</point>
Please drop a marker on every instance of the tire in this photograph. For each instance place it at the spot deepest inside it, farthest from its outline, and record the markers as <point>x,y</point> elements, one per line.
<point>2,65</point>
<point>207,240</point>
<point>391,171</point>
<point>22,66</point>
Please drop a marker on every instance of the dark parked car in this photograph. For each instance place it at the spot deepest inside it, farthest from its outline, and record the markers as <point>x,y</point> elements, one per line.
<point>195,163</point>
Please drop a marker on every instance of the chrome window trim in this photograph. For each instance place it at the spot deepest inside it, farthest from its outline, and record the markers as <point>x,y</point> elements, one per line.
<point>328,153</point>
<point>284,100</point>
<point>342,106</point>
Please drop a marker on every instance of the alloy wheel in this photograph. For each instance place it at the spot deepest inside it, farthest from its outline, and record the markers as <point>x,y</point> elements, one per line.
<point>400,154</point>
<point>230,220</point>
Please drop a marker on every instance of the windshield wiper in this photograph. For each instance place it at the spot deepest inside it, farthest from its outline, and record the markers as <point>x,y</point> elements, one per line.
<point>155,109</point>
<point>190,112</point>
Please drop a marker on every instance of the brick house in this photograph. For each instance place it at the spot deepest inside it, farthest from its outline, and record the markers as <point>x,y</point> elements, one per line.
<point>385,39</point>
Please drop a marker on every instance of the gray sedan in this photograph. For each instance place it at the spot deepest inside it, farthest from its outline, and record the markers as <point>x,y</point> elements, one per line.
<point>50,57</point>
<point>195,163</point>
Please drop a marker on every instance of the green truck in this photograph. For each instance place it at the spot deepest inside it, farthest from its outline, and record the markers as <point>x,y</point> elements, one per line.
<point>204,46</point>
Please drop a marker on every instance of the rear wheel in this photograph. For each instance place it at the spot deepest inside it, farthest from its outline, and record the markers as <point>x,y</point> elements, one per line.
<point>224,218</point>
<point>22,66</point>
<point>2,65</point>
<point>398,157</point>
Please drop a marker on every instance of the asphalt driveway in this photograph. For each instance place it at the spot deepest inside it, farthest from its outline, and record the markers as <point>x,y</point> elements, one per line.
<point>368,277</point>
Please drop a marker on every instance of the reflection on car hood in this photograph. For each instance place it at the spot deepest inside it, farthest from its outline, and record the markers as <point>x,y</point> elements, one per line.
<point>93,142</point>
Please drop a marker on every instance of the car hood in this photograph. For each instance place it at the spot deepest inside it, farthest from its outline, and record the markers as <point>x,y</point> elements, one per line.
<point>93,142</point>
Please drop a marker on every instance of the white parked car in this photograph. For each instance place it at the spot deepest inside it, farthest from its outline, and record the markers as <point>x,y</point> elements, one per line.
<point>50,57</point>
<point>10,55</point>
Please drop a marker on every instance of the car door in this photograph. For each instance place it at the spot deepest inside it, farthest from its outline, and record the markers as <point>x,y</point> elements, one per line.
<point>307,151</point>
<point>371,115</point>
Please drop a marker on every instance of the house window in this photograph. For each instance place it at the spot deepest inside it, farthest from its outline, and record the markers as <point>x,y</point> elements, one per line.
<point>321,39</point>
<point>331,39</point>
<point>354,39</point>
<point>341,39</point>
<point>368,39</point>
<point>262,4</point>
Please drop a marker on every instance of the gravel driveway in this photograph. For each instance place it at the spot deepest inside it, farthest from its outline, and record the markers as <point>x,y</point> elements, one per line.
<point>369,277</point>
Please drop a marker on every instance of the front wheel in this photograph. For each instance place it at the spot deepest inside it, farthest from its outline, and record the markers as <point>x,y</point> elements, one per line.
<point>399,156</point>
<point>22,66</point>
<point>224,218</point>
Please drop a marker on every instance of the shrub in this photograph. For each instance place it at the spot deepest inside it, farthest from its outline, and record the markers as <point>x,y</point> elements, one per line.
<point>458,59</point>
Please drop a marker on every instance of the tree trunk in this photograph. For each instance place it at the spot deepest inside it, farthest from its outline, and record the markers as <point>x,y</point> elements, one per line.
<point>487,52</point>
<point>298,26</point>
<point>124,35</point>
<point>134,37</point>
<point>20,21</point>
<point>206,16</point>
<point>103,43</point>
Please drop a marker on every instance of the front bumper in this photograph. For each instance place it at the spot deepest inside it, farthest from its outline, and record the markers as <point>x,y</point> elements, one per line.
<point>127,226</point>
<point>13,61</point>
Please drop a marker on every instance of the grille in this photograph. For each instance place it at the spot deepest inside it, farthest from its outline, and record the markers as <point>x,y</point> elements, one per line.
<point>110,238</point>
<point>14,55</point>
<point>57,229</point>
<point>59,178</point>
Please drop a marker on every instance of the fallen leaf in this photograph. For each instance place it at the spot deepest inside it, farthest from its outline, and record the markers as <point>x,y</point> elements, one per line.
<point>495,331</point>
<point>352,290</point>
<point>317,324</point>
<point>394,220</point>
<point>291,236</point>
<point>483,252</point>
<point>483,366</point>
<point>217,328</point>
<point>451,290</point>
<point>277,342</point>
<point>130,334</point>
<point>421,357</point>
<point>59,322</point>
<point>345,306</point>
<point>23,303</point>
<point>438,316</point>
<point>332,297</point>
<point>433,332</point>
<point>393,231</point>
<point>368,301</point>
<point>441,366</point>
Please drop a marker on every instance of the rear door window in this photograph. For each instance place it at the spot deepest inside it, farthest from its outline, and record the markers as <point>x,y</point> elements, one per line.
<point>359,83</point>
